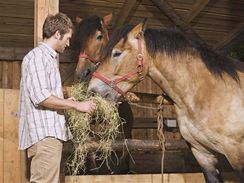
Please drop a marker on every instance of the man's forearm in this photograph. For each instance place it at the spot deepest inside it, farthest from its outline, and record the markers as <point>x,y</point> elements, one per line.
<point>54,102</point>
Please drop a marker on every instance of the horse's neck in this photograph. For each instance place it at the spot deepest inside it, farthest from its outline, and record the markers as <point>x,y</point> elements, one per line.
<point>179,77</point>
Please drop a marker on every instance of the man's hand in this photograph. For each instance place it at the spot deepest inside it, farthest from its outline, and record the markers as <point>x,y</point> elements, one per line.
<point>88,107</point>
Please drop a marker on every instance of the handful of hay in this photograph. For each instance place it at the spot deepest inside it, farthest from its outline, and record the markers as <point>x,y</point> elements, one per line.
<point>102,127</point>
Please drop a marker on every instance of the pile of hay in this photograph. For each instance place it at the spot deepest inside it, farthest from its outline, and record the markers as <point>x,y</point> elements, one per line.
<point>102,126</point>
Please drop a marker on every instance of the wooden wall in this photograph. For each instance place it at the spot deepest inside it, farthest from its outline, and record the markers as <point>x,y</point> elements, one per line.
<point>10,157</point>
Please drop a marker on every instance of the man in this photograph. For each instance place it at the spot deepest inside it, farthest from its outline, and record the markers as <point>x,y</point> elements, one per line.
<point>42,126</point>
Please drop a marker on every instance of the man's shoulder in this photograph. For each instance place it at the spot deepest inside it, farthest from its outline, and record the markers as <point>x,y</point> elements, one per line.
<point>35,52</point>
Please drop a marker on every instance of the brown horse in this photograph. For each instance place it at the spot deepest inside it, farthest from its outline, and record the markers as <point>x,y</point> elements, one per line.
<point>90,38</point>
<point>207,89</point>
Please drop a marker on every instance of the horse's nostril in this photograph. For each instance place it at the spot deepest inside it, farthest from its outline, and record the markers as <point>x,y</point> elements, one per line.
<point>106,95</point>
<point>87,72</point>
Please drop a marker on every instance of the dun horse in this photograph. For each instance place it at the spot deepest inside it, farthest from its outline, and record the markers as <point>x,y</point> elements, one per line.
<point>90,38</point>
<point>207,89</point>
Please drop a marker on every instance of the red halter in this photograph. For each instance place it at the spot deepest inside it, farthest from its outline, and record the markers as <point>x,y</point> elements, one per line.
<point>93,60</point>
<point>137,71</point>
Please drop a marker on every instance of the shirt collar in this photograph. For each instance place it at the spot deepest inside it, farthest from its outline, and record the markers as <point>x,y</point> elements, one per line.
<point>51,51</point>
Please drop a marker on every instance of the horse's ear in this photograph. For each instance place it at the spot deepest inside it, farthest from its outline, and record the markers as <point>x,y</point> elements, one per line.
<point>107,19</point>
<point>78,19</point>
<point>136,32</point>
<point>144,22</point>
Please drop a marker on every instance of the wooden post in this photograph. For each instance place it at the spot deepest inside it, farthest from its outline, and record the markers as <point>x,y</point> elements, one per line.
<point>11,155</point>
<point>16,74</point>
<point>133,145</point>
<point>1,77</point>
<point>42,9</point>
<point>1,135</point>
<point>5,70</point>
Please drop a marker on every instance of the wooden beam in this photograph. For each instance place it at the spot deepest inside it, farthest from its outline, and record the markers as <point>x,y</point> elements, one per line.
<point>237,31</point>
<point>139,178</point>
<point>165,8</point>
<point>195,10</point>
<point>124,13</point>
<point>233,44</point>
<point>134,145</point>
<point>13,53</point>
<point>18,53</point>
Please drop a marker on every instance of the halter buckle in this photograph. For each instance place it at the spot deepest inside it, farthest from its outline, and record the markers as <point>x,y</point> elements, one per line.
<point>112,83</point>
<point>139,57</point>
<point>139,68</point>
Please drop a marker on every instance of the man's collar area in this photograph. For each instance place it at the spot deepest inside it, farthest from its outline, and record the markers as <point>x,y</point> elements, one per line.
<point>52,52</point>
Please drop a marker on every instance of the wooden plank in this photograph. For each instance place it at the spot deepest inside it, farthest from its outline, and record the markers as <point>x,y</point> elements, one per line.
<point>10,10</point>
<point>5,74</point>
<point>42,9</point>
<point>1,134</point>
<point>124,13</point>
<point>10,75</point>
<point>18,53</point>
<point>11,154</point>
<point>13,53</point>
<point>143,178</point>
<point>229,177</point>
<point>1,71</point>
<point>24,167</point>
<point>16,74</point>
<point>195,10</point>
<point>13,25</point>
<point>16,40</point>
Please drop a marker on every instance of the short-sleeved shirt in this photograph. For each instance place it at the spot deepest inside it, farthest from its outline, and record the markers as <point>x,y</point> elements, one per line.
<point>40,78</point>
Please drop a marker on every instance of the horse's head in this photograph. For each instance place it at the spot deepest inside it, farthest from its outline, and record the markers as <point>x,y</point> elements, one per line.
<point>123,65</point>
<point>90,38</point>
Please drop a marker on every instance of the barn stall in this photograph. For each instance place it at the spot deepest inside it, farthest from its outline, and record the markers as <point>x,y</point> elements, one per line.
<point>218,23</point>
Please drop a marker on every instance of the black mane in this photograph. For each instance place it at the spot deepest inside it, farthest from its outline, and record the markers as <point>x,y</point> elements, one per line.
<point>85,29</point>
<point>173,42</point>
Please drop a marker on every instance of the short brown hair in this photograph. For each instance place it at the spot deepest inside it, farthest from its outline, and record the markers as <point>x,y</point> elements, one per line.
<point>58,22</point>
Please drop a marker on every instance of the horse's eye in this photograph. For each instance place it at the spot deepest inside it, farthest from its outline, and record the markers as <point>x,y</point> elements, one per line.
<point>99,37</point>
<point>116,54</point>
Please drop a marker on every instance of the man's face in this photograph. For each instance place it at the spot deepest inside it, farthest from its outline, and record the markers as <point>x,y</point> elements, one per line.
<point>64,42</point>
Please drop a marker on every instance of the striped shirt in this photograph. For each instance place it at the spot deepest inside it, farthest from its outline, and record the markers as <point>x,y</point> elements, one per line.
<point>40,78</point>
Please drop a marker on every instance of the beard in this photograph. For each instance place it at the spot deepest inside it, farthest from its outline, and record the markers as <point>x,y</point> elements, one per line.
<point>60,49</point>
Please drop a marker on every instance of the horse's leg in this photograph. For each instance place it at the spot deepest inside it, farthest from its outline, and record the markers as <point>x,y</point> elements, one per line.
<point>236,159</point>
<point>208,161</point>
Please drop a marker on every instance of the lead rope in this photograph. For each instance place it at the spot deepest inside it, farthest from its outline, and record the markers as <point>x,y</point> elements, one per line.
<point>160,135</point>
<point>160,126</point>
